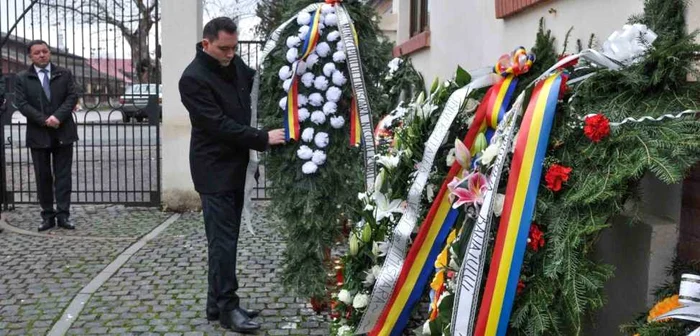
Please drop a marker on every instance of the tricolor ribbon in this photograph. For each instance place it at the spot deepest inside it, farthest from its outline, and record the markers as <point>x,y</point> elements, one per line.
<point>516,63</point>
<point>419,264</point>
<point>355,126</point>
<point>521,194</point>
<point>689,298</point>
<point>349,36</point>
<point>396,254</point>
<point>252,168</point>
<point>291,115</point>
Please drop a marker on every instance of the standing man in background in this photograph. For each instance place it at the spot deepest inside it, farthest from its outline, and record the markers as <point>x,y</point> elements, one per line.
<point>215,88</point>
<point>46,94</point>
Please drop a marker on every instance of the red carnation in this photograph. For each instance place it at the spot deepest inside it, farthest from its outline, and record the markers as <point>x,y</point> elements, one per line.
<point>536,238</point>
<point>521,287</point>
<point>556,175</point>
<point>597,127</point>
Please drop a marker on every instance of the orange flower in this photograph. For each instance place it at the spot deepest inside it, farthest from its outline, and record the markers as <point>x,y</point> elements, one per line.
<point>664,306</point>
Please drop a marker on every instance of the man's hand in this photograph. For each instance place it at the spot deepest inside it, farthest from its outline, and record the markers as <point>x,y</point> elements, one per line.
<point>276,137</point>
<point>53,122</point>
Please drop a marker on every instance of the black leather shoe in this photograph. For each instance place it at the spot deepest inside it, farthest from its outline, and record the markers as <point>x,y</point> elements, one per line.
<point>66,224</point>
<point>213,314</point>
<point>47,224</point>
<point>237,321</point>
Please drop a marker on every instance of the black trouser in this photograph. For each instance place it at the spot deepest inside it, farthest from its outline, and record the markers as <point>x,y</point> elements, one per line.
<point>222,221</point>
<point>60,180</point>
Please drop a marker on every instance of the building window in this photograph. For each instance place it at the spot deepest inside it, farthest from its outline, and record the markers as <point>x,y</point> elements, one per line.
<point>420,17</point>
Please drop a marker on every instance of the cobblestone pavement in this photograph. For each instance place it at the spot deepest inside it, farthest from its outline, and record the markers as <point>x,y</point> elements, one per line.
<point>93,220</point>
<point>40,275</point>
<point>160,290</point>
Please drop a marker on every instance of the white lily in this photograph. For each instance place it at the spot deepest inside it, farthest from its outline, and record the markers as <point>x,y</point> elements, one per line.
<point>490,153</point>
<point>386,208</point>
<point>450,160</point>
<point>498,204</point>
<point>388,161</point>
<point>379,249</point>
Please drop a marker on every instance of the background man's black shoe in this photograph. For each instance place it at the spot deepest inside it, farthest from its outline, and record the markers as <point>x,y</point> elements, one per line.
<point>66,224</point>
<point>47,224</point>
<point>237,321</point>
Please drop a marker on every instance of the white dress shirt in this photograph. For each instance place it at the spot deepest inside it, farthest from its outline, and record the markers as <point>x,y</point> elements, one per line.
<point>41,74</point>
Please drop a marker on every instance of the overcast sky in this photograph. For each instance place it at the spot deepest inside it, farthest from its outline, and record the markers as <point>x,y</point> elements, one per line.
<point>100,40</point>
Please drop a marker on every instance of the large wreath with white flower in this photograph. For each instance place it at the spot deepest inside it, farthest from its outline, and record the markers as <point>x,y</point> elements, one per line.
<point>313,180</point>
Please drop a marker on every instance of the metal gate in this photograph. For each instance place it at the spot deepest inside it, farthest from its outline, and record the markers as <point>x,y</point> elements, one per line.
<point>112,49</point>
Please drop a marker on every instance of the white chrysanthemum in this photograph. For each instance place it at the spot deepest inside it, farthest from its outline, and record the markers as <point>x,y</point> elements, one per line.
<point>308,79</point>
<point>345,297</point>
<point>333,94</point>
<point>283,103</point>
<point>340,46</point>
<point>321,25</point>
<point>321,83</point>
<point>293,41</point>
<point>318,118</point>
<point>337,122</point>
<point>303,114</point>
<point>305,153</point>
<point>301,67</point>
<point>309,168</point>
<point>394,65</point>
<point>287,85</point>
<point>339,56</point>
<point>331,20</point>
<point>303,32</point>
<point>328,69</point>
<point>316,99</point>
<point>285,72</point>
<point>330,108</point>
<point>311,60</point>
<point>333,36</point>
<point>327,9</point>
<point>292,55</point>
<point>338,78</point>
<point>302,100</point>
<point>360,301</point>
<point>304,18</point>
<point>321,139</point>
<point>319,157</point>
<point>308,134</point>
<point>323,49</point>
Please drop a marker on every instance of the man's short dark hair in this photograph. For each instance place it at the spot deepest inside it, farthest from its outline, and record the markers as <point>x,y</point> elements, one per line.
<point>35,42</point>
<point>213,27</point>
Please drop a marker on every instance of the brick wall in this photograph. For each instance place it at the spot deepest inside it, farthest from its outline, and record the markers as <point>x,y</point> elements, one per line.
<point>689,242</point>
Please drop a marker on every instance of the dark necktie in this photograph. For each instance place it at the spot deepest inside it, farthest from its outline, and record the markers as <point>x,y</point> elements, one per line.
<point>45,83</point>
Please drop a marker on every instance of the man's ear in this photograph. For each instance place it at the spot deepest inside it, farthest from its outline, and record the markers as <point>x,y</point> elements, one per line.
<point>206,43</point>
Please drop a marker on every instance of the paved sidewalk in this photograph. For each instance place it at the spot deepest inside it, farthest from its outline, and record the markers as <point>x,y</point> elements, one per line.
<point>161,289</point>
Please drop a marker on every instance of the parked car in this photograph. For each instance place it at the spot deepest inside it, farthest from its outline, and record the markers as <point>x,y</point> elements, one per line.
<point>135,99</point>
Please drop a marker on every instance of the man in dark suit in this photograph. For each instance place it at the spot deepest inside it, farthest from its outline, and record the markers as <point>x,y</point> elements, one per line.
<point>46,94</point>
<point>215,88</point>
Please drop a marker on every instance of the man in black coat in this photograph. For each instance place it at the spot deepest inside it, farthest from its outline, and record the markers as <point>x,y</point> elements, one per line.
<point>46,94</point>
<point>215,89</point>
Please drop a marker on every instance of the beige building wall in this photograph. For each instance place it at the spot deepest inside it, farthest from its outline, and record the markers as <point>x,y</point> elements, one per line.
<point>467,33</point>
<point>182,29</point>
